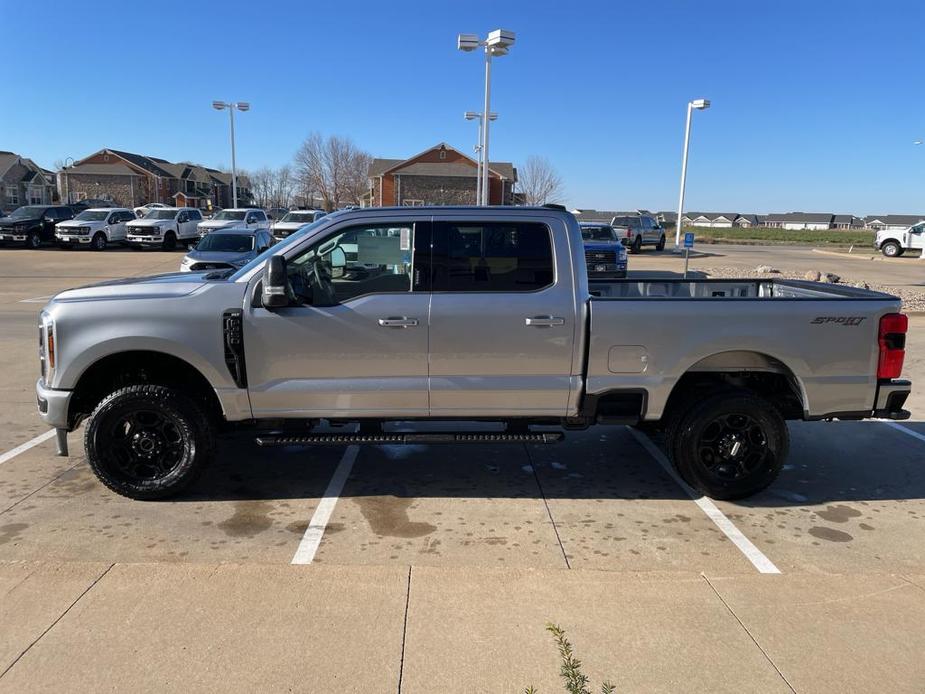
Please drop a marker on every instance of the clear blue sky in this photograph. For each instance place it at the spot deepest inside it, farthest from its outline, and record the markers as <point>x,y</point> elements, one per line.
<point>816,103</point>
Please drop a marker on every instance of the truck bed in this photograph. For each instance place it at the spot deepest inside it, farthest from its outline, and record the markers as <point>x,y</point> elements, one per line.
<point>644,335</point>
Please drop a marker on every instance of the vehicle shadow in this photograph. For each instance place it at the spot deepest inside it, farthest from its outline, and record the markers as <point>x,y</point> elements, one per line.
<point>829,462</point>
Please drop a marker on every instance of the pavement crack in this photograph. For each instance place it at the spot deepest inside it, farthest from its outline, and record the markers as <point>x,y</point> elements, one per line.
<point>912,583</point>
<point>404,632</point>
<point>750,635</point>
<point>555,528</point>
<point>59,618</point>
<point>37,490</point>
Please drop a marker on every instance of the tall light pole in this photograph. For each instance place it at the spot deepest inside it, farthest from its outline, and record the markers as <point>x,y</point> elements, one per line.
<point>497,44</point>
<point>473,115</point>
<point>700,105</point>
<point>67,181</point>
<point>232,107</point>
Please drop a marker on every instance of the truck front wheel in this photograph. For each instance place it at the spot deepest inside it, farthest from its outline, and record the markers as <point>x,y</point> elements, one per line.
<point>148,441</point>
<point>891,249</point>
<point>730,446</point>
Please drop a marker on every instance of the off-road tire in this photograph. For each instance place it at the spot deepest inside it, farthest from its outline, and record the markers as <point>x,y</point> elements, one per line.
<point>189,425</point>
<point>766,440</point>
<point>170,241</point>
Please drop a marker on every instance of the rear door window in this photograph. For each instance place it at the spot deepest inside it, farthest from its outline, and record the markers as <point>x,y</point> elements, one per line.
<point>492,257</point>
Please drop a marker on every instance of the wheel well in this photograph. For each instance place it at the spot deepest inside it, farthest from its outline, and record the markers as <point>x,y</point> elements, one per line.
<point>136,367</point>
<point>780,388</point>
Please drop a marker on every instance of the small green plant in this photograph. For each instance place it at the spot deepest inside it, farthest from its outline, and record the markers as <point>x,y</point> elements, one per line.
<point>576,682</point>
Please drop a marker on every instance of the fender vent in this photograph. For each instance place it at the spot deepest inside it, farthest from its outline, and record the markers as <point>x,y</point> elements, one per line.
<point>233,336</point>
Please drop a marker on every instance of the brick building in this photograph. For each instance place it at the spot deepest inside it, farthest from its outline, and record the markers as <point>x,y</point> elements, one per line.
<point>23,182</point>
<point>134,179</point>
<point>440,175</point>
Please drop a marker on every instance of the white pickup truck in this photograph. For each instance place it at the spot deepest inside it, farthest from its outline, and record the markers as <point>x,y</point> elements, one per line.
<point>894,243</point>
<point>164,227</point>
<point>472,313</point>
<point>96,228</point>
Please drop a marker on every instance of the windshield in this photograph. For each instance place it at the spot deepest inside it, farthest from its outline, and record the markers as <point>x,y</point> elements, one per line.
<point>304,217</point>
<point>281,246</point>
<point>161,214</point>
<point>92,215</point>
<point>28,212</point>
<point>229,243</point>
<point>597,234</point>
<point>229,214</point>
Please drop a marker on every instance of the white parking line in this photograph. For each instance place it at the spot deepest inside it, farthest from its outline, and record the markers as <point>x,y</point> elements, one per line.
<point>728,528</point>
<point>41,438</point>
<point>905,430</point>
<point>35,300</point>
<point>305,553</point>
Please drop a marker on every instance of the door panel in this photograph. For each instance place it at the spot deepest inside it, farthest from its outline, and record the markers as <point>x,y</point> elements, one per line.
<point>356,345</point>
<point>507,352</point>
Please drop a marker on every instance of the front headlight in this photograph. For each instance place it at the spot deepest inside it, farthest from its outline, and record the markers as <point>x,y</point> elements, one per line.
<point>47,346</point>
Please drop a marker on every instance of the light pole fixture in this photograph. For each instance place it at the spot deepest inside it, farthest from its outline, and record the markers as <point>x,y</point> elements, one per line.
<point>498,43</point>
<point>700,105</point>
<point>67,181</point>
<point>232,107</point>
<point>475,115</point>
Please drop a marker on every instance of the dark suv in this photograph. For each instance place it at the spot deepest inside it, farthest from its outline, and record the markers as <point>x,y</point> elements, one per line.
<point>33,225</point>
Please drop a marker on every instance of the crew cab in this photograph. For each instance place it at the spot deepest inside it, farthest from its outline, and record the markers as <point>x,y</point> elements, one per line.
<point>94,228</point>
<point>636,231</point>
<point>242,217</point>
<point>449,314</point>
<point>605,255</point>
<point>295,220</point>
<point>164,227</point>
<point>33,225</point>
<point>894,243</point>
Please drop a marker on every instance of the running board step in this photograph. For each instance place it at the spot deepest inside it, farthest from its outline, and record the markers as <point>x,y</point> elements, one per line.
<point>399,439</point>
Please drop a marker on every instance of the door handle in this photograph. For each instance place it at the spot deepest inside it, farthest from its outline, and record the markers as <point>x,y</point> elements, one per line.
<point>544,321</point>
<point>398,322</point>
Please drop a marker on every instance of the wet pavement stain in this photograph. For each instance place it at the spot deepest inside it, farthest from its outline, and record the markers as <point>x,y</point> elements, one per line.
<point>249,519</point>
<point>830,534</point>
<point>838,514</point>
<point>388,517</point>
<point>11,531</point>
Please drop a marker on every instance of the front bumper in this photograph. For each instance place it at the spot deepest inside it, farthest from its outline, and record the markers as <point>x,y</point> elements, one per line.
<point>72,238</point>
<point>53,405</point>
<point>145,240</point>
<point>891,396</point>
<point>13,236</point>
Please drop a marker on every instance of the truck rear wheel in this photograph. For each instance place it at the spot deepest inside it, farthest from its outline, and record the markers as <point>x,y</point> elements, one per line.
<point>729,446</point>
<point>148,441</point>
<point>637,245</point>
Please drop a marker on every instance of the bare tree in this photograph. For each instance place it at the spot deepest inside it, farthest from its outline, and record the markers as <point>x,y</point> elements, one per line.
<point>333,168</point>
<point>539,182</point>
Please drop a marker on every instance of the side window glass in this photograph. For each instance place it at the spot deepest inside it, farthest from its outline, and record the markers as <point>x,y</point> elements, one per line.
<point>492,257</point>
<point>355,262</point>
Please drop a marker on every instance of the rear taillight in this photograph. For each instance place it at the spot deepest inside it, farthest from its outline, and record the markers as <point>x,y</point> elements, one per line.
<point>892,341</point>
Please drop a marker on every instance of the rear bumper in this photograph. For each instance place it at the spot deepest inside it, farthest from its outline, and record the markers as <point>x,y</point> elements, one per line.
<point>891,396</point>
<point>53,405</point>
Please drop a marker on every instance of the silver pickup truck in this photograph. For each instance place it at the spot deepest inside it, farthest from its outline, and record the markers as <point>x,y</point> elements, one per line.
<point>374,316</point>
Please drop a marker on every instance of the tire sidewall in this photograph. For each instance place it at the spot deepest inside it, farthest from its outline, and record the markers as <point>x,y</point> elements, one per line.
<point>692,425</point>
<point>34,241</point>
<point>95,243</point>
<point>890,250</point>
<point>189,420</point>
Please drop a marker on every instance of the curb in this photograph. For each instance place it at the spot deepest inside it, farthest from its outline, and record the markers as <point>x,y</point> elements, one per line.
<point>839,254</point>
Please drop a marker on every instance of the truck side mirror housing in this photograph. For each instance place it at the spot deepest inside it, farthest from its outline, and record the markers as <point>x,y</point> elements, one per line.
<point>274,294</point>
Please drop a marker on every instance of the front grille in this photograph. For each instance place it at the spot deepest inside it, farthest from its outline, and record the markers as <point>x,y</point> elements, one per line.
<point>142,231</point>
<point>600,257</point>
<point>199,267</point>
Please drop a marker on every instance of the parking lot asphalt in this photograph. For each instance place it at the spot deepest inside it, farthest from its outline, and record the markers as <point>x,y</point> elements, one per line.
<point>435,567</point>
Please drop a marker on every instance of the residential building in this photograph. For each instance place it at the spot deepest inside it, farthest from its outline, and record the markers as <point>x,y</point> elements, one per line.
<point>800,220</point>
<point>23,182</point>
<point>892,222</point>
<point>719,220</point>
<point>748,221</point>
<point>440,175</point>
<point>129,180</point>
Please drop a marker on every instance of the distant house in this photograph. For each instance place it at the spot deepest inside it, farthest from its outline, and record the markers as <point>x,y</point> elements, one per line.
<point>129,180</point>
<point>666,218</point>
<point>892,222</point>
<point>590,215</point>
<point>440,175</point>
<point>847,221</point>
<point>719,220</point>
<point>748,221</point>
<point>23,182</point>
<point>800,220</point>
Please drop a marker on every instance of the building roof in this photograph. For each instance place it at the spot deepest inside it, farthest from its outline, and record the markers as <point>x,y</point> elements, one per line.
<point>380,166</point>
<point>806,217</point>
<point>161,167</point>
<point>9,159</point>
<point>895,219</point>
<point>712,216</point>
<point>118,169</point>
<point>843,219</point>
